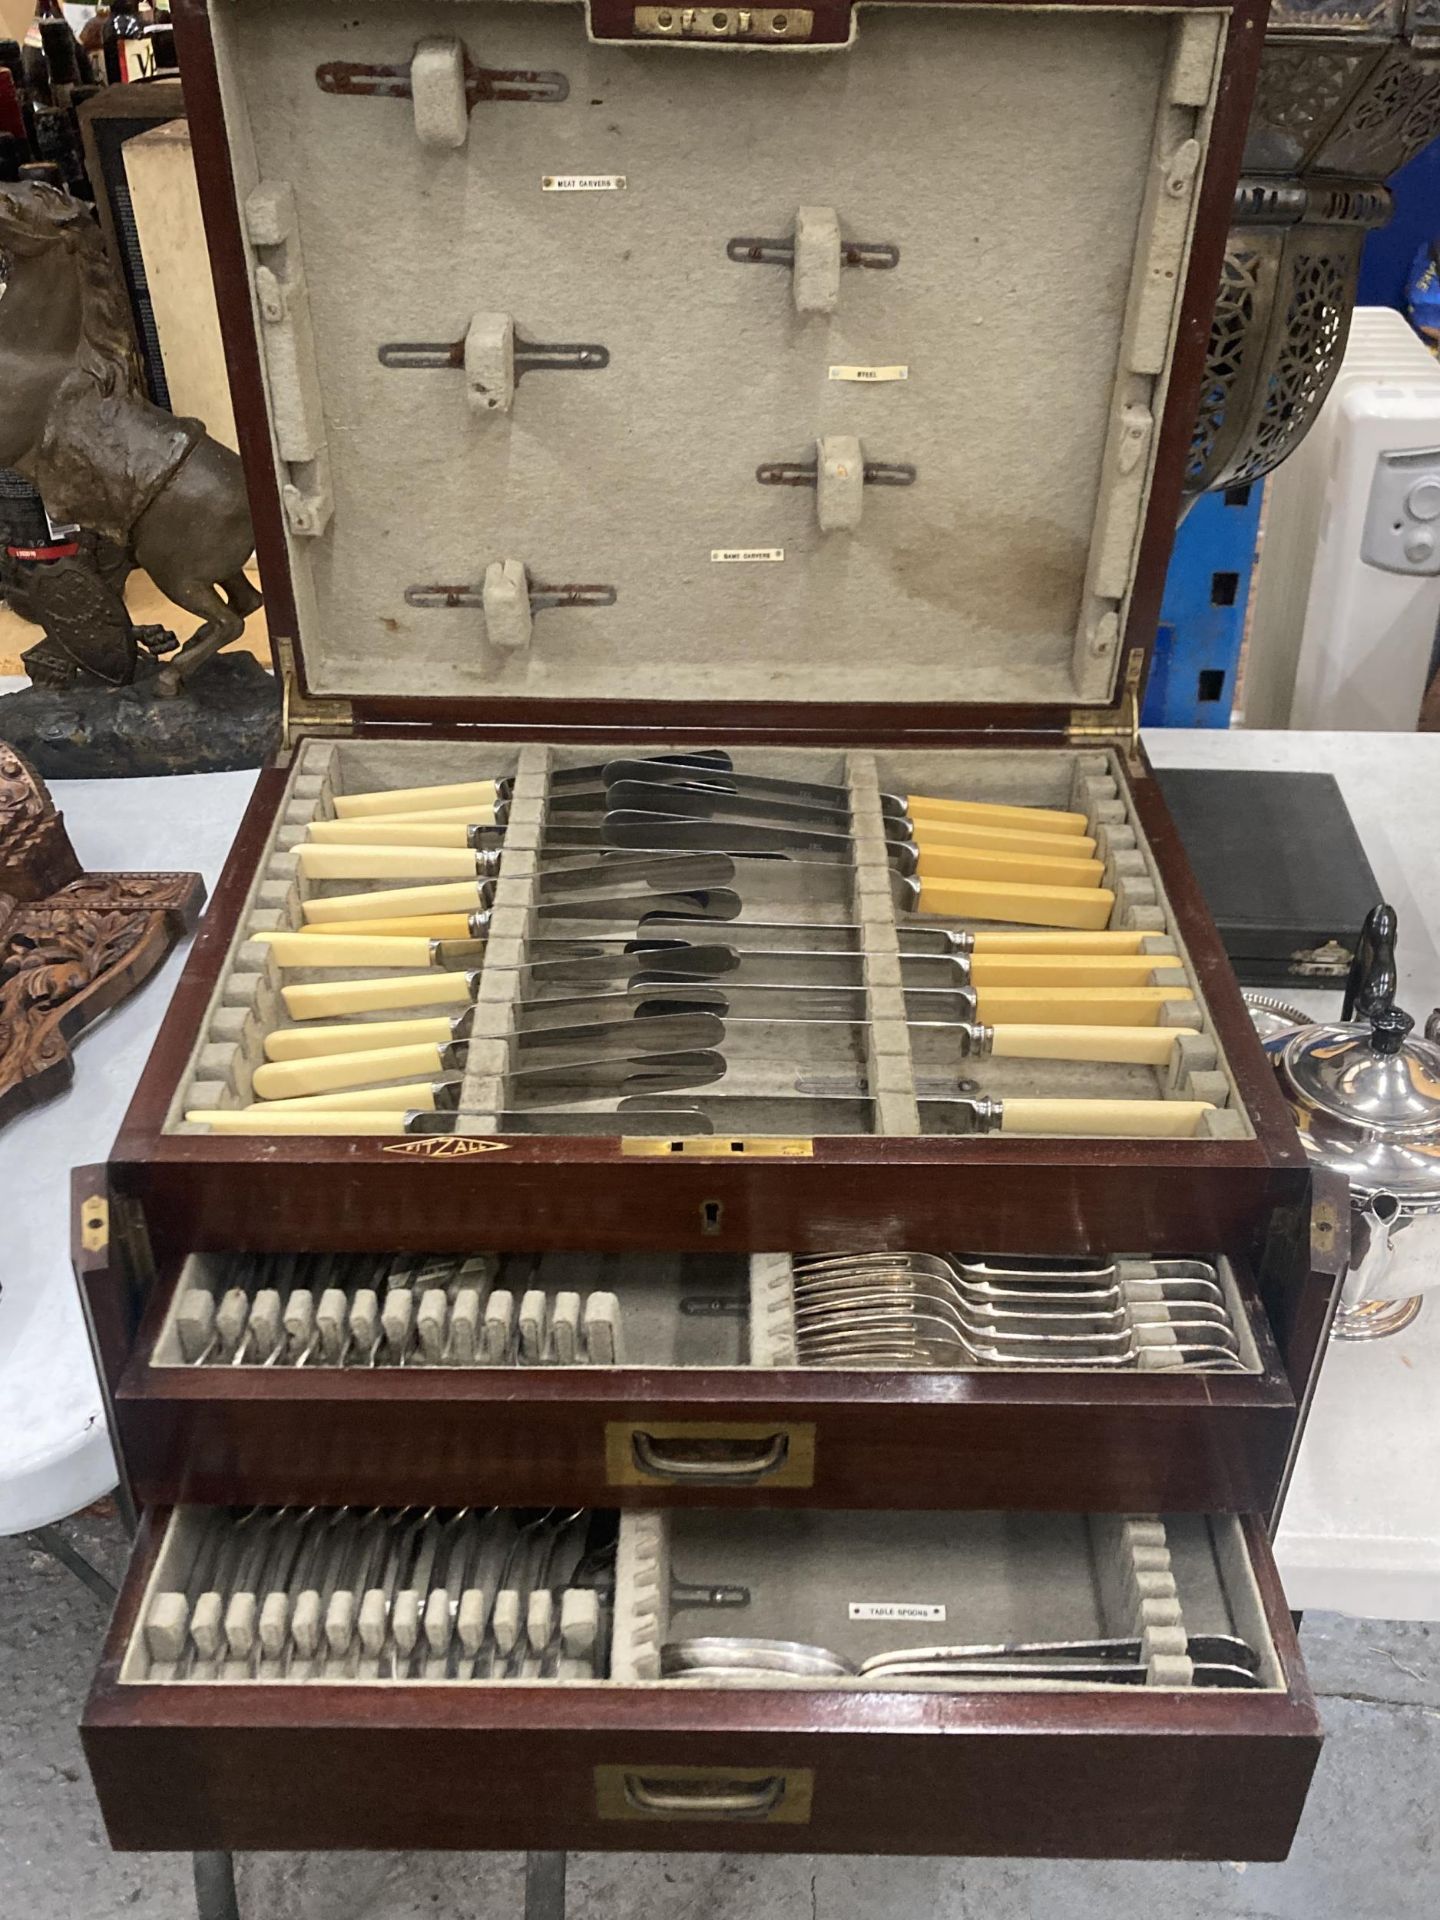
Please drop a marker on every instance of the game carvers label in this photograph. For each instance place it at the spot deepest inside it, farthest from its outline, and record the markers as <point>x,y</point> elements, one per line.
<point>894,1610</point>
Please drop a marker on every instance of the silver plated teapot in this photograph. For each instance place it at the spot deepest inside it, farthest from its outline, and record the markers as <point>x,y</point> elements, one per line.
<point>1366,1097</point>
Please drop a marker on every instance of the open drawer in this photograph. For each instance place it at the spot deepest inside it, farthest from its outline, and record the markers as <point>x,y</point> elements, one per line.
<point>818,1122</point>
<point>1111,1384</point>
<point>355,1678</point>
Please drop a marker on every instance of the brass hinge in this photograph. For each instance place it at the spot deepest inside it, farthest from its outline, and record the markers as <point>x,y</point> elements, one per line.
<point>1117,726</point>
<point>724,23</point>
<point>302,712</point>
<point>706,1147</point>
<point>95,1223</point>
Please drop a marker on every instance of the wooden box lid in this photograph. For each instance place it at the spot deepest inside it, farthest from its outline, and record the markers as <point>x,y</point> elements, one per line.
<point>915,296</point>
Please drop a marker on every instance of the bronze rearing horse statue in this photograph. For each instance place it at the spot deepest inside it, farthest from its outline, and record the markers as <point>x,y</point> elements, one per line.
<point>74,421</point>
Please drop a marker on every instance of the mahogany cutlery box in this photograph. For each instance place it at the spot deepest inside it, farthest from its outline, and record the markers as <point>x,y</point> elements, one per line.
<point>813,384</point>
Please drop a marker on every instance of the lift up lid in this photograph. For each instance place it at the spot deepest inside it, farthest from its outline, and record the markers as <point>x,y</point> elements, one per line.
<point>822,371</point>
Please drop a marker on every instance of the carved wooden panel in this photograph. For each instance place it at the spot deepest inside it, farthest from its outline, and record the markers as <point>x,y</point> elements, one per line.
<point>72,944</point>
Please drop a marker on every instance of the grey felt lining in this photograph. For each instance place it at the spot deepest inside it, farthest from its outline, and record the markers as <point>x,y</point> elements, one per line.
<point>984,581</point>
<point>245,1004</point>
<point>999,1576</point>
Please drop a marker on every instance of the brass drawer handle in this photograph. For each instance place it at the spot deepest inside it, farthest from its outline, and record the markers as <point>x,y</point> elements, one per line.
<point>758,1794</point>
<point>732,1454</point>
<point>710,1460</point>
<point>717,1799</point>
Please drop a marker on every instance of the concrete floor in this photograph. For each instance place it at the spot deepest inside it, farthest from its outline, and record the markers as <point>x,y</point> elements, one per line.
<point>1369,1848</point>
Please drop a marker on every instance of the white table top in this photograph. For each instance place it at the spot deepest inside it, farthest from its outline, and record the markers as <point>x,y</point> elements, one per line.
<point>54,1450</point>
<point>1361,1532</point>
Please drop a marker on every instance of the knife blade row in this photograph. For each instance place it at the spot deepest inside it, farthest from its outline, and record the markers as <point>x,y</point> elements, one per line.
<point>643,1022</point>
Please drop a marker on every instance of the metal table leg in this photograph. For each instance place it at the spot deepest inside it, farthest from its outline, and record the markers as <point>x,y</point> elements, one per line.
<point>215,1897</point>
<point>545,1886</point>
<point>125,1507</point>
<point>50,1540</point>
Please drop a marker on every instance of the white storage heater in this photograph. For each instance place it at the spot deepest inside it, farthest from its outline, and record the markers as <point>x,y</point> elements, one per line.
<point>1348,593</point>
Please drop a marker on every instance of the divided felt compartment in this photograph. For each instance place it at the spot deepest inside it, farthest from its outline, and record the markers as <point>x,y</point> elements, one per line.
<point>889,1054</point>
<point>247,1003</point>
<point>1093,784</point>
<point>281,1596</point>
<point>552,1309</point>
<point>710,1312</point>
<point>890,1060</point>
<point>864,1063</point>
<point>863,1584</point>
<point>502,981</point>
<point>1217,1585</point>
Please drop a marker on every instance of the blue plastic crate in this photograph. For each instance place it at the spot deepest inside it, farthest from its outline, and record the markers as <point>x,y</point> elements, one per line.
<point>1202,617</point>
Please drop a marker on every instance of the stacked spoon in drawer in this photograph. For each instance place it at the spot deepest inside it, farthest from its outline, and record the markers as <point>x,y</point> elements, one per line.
<point>658,971</point>
<point>395,1594</point>
<point>392,1310</point>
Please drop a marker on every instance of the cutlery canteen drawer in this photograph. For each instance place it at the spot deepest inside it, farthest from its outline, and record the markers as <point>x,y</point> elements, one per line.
<point>837,1119</point>
<point>648,1379</point>
<point>257,1715</point>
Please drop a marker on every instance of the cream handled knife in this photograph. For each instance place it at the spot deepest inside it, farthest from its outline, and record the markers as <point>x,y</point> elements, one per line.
<point>811,793</point>
<point>1059,1005</point>
<point>385,859</point>
<point>485,793</point>
<point>1134,1046</point>
<point>581,892</point>
<point>921,889</point>
<point>1057,859</point>
<point>605,1070</point>
<point>431,861</point>
<point>1121,1119</point>
<point>445,987</point>
<point>1118,1119</point>
<point>305,1041</point>
<point>847,1110</point>
<point>673,1032</point>
<point>1048,1119</point>
<point>479,795</point>
<point>303,1117</point>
